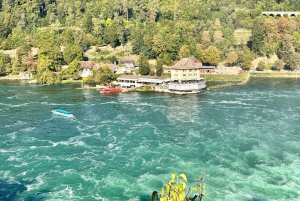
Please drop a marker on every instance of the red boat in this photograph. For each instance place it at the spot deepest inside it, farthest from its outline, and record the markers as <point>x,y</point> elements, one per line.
<point>110,90</point>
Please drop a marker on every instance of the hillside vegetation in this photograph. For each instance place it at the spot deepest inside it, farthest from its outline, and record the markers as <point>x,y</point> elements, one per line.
<point>231,32</point>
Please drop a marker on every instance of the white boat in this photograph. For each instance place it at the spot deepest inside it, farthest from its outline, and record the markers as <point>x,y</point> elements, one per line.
<point>62,112</point>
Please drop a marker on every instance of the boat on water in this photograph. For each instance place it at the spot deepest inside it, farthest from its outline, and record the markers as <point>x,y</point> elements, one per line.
<point>62,112</point>
<point>110,90</point>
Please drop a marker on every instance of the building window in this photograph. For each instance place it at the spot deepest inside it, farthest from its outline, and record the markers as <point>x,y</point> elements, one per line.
<point>183,75</point>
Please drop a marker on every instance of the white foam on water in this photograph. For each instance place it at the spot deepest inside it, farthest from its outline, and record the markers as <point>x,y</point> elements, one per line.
<point>28,129</point>
<point>16,124</point>
<point>16,96</point>
<point>21,165</point>
<point>23,173</point>
<point>13,158</point>
<point>7,151</point>
<point>66,193</point>
<point>38,182</point>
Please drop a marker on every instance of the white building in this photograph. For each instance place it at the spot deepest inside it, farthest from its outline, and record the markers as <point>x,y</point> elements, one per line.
<point>87,67</point>
<point>185,76</point>
<point>129,81</point>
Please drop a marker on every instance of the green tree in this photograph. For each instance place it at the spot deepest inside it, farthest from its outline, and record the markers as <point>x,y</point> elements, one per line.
<point>278,65</point>
<point>159,67</point>
<point>211,56</point>
<point>232,58</point>
<point>259,37</point>
<point>17,67</point>
<point>46,77</point>
<point>103,76</point>
<point>199,52</point>
<point>184,51</point>
<point>144,67</point>
<point>73,70</point>
<point>167,59</point>
<point>73,52</point>
<point>296,40</point>
<point>49,58</point>
<point>5,63</point>
<point>247,62</point>
<point>137,41</point>
<point>261,66</point>
<point>110,32</point>
<point>293,61</point>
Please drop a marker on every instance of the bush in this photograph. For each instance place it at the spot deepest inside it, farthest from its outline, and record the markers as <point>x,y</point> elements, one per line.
<point>261,66</point>
<point>175,190</point>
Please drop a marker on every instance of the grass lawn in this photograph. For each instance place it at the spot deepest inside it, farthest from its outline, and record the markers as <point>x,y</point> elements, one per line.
<point>224,77</point>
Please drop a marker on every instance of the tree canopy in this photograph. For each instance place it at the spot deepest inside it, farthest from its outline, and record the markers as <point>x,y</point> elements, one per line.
<point>156,29</point>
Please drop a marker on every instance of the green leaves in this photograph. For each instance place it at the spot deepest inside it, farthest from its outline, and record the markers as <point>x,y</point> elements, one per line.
<point>144,67</point>
<point>73,52</point>
<point>211,56</point>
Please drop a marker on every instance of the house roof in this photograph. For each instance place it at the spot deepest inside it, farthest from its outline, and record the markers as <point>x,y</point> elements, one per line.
<point>186,63</point>
<point>126,61</point>
<point>86,64</point>
<point>110,66</point>
<point>195,59</point>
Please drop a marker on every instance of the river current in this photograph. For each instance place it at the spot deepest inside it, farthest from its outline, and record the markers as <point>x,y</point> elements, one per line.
<point>124,146</point>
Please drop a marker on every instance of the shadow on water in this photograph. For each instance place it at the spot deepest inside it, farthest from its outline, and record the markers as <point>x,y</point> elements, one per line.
<point>12,191</point>
<point>39,196</point>
<point>145,198</point>
<point>256,199</point>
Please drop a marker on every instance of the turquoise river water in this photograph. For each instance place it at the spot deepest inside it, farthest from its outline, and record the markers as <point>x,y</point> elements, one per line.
<point>124,146</point>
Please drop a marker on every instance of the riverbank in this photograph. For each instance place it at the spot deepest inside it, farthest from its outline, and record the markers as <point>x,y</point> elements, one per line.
<point>224,84</point>
<point>280,74</point>
<point>221,80</point>
<point>13,77</point>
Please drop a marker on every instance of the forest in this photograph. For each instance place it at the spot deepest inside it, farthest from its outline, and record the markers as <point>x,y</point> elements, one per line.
<point>164,30</point>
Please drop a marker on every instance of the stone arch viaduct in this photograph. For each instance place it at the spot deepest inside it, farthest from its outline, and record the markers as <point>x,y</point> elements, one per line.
<point>281,13</point>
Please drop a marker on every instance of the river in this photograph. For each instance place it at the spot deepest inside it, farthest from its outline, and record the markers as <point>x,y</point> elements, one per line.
<point>124,146</point>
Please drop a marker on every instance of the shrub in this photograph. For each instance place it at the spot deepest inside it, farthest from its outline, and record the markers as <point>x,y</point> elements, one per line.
<point>175,190</point>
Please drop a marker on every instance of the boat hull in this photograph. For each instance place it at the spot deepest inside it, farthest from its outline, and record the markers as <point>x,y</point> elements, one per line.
<point>111,90</point>
<point>62,114</point>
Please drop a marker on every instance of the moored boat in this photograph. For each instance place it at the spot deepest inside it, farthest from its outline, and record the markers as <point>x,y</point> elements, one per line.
<point>62,112</point>
<point>110,90</point>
